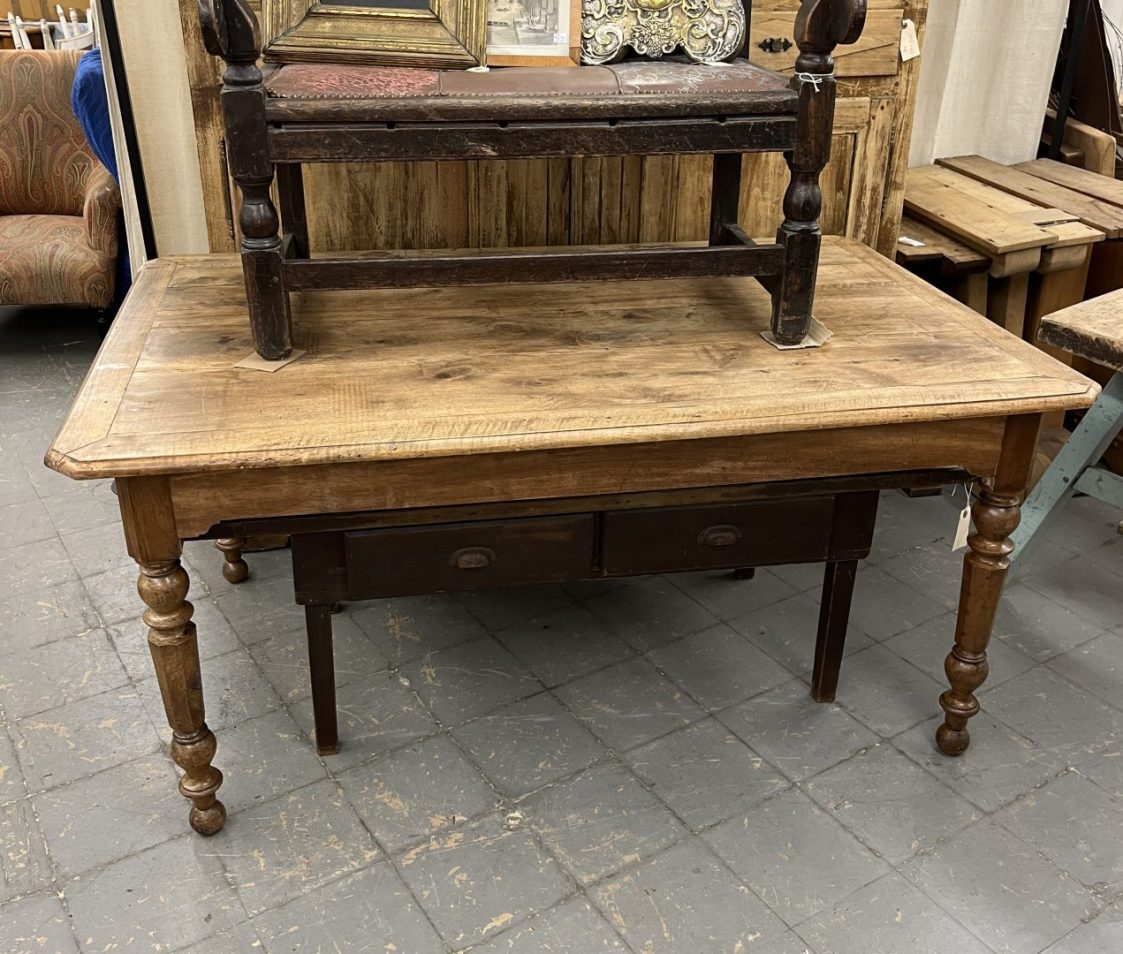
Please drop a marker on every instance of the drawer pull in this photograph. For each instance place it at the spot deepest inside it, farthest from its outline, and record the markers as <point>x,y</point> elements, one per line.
<point>472,558</point>
<point>775,44</point>
<point>724,535</point>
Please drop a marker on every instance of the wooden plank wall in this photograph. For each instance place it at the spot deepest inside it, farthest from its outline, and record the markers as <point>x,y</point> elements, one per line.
<point>601,200</point>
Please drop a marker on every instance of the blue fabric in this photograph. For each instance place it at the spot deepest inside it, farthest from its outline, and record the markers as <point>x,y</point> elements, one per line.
<point>91,105</point>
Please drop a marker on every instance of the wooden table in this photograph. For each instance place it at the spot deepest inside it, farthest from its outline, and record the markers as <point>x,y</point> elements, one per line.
<point>448,400</point>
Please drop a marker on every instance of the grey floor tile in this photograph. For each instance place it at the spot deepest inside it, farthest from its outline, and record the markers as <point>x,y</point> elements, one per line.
<point>1105,766</point>
<point>628,704</point>
<point>215,638</point>
<point>261,610</point>
<point>240,939</point>
<point>685,901</point>
<point>718,667</point>
<point>477,881</point>
<point>796,858</point>
<point>36,925</point>
<point>466,681</point>
<point>279,850</point>
<point>574,925</point>
<point>497,609</point>
<point>891,803</point>
<point>786,631</point>
<point>1001,889</point>
<point>999,766</point>
<point>1039,626</point>
<point>164,898</point>
<point>263,758</point>
<point>33,680</point>
<point>933,570</point>
<point>24,523</point>
<point>885,917</point>
<point>205,563</point>
<point>97,549</point>
<point>528,744</point>
<point>649,611</point>
<point>886,693</point>
<point>95,506</point>
<point>705,773</point>
<point>34,566</point>
<point>1096,666</point>
<point>726,597</point>
<point>906,522</point>
<point>884,606</point>
<point>927,646</point>
<point>1074,824</point>
<point>416,792</point>
<point>284,658</point>
<point>43,616</point>
<point>1054,713</point>
<point>24,861</point>
<point>403,629</point>
<point>1103,933</point>
<point>114,595</point>
<point>234,690</point>
<point>1083,585</point>
<point>370,912</point>
<point>599,821</point>
<point>564,645</point>
<point>799,736</point>
<point>12,784</point>
<point>136,806</point>
<point>15,485</point>
<point>803,577</point>
<point>81,738</point>
<point>375,715</point>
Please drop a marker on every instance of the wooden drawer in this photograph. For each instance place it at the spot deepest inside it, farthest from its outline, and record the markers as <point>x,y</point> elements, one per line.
<point>727,535</point>
<point>877,52</point>
<point>468,556</point>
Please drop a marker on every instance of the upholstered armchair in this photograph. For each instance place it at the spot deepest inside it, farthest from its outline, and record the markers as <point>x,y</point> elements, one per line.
<point>58,204</point>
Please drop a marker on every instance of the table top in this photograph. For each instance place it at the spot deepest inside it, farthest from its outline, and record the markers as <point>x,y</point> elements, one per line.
<point>1092,329</point>
<point>425,372</point>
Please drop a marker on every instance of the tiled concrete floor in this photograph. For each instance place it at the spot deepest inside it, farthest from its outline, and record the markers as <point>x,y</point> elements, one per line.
<point>568,769</point>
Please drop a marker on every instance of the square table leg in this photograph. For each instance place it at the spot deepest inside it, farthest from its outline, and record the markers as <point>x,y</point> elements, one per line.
<point>150,532</point>
<point>996,514</point>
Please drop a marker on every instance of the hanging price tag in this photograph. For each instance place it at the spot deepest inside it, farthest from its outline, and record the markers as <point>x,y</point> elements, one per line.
<point>962,528</point>
<point>910,45</point>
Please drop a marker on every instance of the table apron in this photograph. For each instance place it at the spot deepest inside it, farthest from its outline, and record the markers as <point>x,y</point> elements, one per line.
<point>204,499</point>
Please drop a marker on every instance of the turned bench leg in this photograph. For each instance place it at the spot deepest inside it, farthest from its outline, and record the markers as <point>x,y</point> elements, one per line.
<point>234,568</point>
<point>834,617</point>
<point>322,663</point>
<point>996,514</point>
<point>149,523</point>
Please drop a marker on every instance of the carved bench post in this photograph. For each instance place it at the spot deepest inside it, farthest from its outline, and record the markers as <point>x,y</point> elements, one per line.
<point>820,26</point>
<point>230,30</point>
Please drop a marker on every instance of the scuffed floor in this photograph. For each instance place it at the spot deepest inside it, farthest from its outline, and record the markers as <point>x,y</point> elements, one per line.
<point>623,767</point>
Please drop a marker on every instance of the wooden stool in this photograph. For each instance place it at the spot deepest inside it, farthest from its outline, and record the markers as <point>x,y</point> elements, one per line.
<point>1092,330</point>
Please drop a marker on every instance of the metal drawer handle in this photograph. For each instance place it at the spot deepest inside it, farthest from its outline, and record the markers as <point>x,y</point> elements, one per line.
<point>724,535</point>
<point>472,558</point>
<point>775,44</point>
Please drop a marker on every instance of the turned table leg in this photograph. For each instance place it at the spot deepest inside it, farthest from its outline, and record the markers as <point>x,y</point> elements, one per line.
<point>996,514</point>
<point>149,523</point>
<point>234,568</point>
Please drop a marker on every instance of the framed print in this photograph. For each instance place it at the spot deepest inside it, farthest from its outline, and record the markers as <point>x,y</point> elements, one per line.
<point>433,33</point>
<point>533,32</point>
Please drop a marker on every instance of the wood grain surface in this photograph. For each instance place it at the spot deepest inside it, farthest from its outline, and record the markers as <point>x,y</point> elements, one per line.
<point>424,372</point>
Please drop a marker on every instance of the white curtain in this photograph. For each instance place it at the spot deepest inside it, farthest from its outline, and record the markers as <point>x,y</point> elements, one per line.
<point>984,79</point>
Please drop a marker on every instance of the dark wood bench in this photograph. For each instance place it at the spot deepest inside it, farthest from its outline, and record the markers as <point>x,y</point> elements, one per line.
<point>303,113</point>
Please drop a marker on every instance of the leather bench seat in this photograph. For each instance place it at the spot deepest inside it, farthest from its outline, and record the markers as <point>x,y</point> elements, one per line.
<point>637,89</point>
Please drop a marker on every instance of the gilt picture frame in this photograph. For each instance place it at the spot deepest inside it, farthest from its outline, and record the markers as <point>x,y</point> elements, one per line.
<point>534,32</point>
<point>439,34</point>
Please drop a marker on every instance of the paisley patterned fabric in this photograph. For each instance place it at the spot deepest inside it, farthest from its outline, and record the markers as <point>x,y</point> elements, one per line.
<point>311,81</point>
<point>44,159</point>
<point>58,204</point>
<point>48,260</point>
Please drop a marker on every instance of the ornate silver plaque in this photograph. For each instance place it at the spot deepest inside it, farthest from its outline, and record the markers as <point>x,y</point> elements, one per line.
<point>708,31</point>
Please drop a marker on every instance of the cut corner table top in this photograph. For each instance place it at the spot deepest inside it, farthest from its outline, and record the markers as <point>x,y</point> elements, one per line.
<point>426,372</point>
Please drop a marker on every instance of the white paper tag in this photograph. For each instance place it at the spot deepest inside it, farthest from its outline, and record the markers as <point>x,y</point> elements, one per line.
<point>962,529</point>
<point>257,363</point>
<point>910,242</point>
<point>910,45</point>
